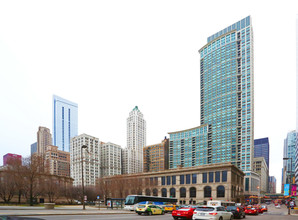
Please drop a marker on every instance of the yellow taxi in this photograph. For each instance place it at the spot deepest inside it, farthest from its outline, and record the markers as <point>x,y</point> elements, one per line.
<point>170,208</point>
<point>150,210</point>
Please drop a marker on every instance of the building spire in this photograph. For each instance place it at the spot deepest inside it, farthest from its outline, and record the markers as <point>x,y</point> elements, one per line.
<point>136,108</point>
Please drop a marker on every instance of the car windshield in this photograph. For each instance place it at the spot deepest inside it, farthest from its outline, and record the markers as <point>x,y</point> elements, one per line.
<point>231,208</point>
<point>205,209</point>
<point>184,209</point>
<point>263,206</point>
<point>141,206</point>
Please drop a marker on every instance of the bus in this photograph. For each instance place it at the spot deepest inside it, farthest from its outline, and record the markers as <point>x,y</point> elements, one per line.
<point>132,200</point>
<point>220,203</point>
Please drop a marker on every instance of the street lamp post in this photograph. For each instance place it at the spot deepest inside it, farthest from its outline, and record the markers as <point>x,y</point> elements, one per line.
<point>83,190</point>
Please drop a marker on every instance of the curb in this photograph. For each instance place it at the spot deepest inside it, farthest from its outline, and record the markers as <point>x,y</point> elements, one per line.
<point>48,214</point>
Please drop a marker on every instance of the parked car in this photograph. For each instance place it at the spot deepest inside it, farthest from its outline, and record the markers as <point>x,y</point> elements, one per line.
<point>150,210</point>
<point>251,211</point>
<point>238,212</point>
<point>184,212</point>
<point>212,213</point>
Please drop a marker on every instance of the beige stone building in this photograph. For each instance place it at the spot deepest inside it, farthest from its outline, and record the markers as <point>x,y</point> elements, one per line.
<point>44,138</point>
<point>191,185</point>
<point>156,156</point>
<point>260,167</point>
<point>57,161</point>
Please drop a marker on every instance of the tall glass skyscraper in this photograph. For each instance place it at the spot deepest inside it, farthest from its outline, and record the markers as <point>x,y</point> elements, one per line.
<point>65,122</point>
<point>289,152</point>
<point>227,94</point>
<point>261,149</point>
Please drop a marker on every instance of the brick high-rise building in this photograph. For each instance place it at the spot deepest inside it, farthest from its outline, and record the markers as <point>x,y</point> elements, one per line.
<point>11,158</point>
<point>57,161</point>
<point>156,157</point>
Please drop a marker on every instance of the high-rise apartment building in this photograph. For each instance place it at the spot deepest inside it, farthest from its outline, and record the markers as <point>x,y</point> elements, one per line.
<point>227,98</point>
<point>136,141</point>
<point>272,184</point>
<point>90,157</point>
<point>65,122</point>
<point>190,147</point>
<point>227,94</point>
<point>111,157</point>
<point>262,149</point>
<point>44,138</point>
<point>289,152</point>
<point>57,161</point>
<point>33,148</point>
<point>156,157</point>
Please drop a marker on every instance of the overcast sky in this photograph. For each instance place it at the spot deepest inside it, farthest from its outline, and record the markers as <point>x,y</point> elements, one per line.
<point>109,56</point>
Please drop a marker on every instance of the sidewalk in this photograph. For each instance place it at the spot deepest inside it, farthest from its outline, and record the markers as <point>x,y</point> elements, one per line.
<point>61,210</point>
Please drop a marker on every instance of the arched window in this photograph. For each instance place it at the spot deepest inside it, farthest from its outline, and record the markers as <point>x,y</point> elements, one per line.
<point>172,192</point>
<point>163,192</point>
<point>155,192</point>
<point>220,191</point>
<point>182,192</point>
<point>192,192</point>
<point>207,191</point>
<point>147,192</point>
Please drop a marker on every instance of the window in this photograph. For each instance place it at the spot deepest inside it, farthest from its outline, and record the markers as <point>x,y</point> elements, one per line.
<point>217,176</point>
<point>172,192</point>
<point>163,180</point>
<point>193,192</point>
<point>220,192</point>
<point>168,180</point>
<point>173,180</point>
<point>224,176</point>
<point>148,192</point>
<point>181,179</point>
<point>182,192</point>
<point>187,178</point>
<point>211,177</point>
<point>207,191</point>
<point>194,178</point>
<point>155,192</point>
<point>163,192</point>
<point>204,177</point>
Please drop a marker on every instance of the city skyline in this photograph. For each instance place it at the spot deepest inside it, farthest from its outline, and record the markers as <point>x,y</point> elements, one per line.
<point>158,61</point>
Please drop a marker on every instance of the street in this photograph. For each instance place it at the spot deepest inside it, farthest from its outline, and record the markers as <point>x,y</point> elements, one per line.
<point>272,214</point>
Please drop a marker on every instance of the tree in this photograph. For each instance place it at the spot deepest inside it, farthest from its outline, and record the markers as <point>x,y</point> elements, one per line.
<point>7,185</point>
<point>33,169</point>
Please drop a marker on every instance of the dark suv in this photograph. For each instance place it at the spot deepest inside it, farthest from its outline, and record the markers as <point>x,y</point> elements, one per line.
<point>238,212</point>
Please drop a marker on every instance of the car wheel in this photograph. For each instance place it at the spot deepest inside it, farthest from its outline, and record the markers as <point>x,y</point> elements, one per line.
<point>220,218</point>
<point>162,213</point>
<point>139,213</point>
<point>149,213</point>
<point>232,217</point>
<point>243,216</point>
<point>175,218</point>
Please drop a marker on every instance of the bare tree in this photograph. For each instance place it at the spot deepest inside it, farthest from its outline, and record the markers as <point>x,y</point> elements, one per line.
<point>7,185</point>
<point>51,185</point>
<point>33,169</point>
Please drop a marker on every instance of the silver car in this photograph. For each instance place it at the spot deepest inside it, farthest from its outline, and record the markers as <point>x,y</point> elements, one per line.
<point>212,213</point>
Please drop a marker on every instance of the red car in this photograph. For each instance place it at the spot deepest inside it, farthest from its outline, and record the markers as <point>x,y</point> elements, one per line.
<point>264,208</point>
<point>251,211</point>
<point>184,212</point>
<point>259,209</point>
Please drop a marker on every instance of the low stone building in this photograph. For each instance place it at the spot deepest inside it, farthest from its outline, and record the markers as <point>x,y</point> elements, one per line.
<point>191,185</point>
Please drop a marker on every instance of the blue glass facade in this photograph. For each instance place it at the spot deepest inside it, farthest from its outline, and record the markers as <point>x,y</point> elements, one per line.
<point>189,147</point>
<point>261,149</point>
<point>65,122</point>
<point>33,148</point>
<point>227,94</point>
<point>289,152</point>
